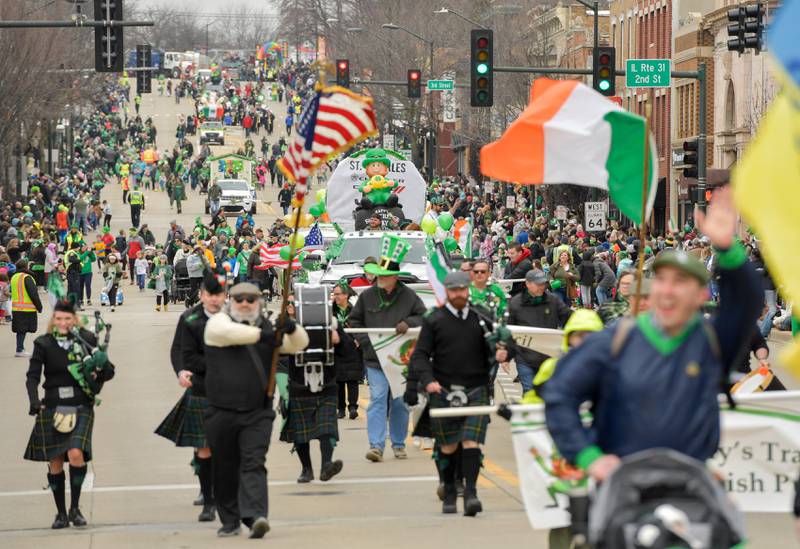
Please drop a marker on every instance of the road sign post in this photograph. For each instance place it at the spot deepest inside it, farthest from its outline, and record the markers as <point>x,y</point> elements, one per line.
<point>441,85</point>
<point>647,73</point>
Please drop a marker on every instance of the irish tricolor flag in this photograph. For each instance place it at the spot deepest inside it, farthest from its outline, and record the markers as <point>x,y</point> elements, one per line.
<point>569,133</point>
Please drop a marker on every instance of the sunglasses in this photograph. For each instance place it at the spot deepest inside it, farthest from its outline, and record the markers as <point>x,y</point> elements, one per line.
<point>479,271</point>
<point>248,298</point>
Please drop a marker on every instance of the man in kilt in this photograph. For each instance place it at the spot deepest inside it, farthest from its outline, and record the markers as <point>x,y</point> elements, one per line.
<point>184,424</point>
<point>65,416</point>
<point>311,415</point>
<point>452,361</point>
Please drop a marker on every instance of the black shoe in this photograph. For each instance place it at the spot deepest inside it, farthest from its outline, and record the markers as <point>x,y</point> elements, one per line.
<point>208,513</point>
<point>353,413</point>
<point>330,470</point>
<point>61,521</point>
<point>460,487</point>
<point>76,518</point>
<point>472,505</point>
<point>260,528</point>
<point>450,499</point>
<point>440,491</point>
<point>199,499</point>
<point>341,414</point>
<point>306,476</point>
<point>228,531</point>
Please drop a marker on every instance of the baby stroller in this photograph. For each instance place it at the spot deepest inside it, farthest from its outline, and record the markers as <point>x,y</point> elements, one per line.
<point>104,297</point>
<point>180,282</point>
<point>661,498</point>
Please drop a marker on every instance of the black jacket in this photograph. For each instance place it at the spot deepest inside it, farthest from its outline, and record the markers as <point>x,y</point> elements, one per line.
<point>548,311</point>
<point>368,313</point>
<point>188,349</point>
<point>347,357</point>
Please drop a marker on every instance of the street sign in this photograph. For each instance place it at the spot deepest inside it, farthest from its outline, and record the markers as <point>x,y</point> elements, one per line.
<point>561,213</point>
<point>511,201</point>
<point>647,73</point>
<point>440,85</point>
<point>388,141</point>
<point>596,214</point>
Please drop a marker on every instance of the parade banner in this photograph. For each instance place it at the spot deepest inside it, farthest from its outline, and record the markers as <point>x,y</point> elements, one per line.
<point>394,352</point>
<point>343,194</point>
<point>757,459</point>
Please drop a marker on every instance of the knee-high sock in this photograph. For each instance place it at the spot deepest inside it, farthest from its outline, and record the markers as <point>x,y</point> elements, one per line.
<point>459,468</point>
<point>446,463</point>
<point>471,466</point>
<point>326,449</point>
<point>304,453</point>
<point>205,475</point>
<point>56,483</point>
<point>76,476</point>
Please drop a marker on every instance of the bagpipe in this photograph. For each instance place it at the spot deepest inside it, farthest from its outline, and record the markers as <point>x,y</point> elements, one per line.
<point>91,358</point>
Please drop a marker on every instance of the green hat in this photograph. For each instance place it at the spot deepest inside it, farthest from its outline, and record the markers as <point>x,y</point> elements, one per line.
<point>393,250</point>
<point>376,155</point>
<point>106,229</point>
<point>683,261</point>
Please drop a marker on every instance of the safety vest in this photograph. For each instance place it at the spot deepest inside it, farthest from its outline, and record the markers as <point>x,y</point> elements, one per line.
<point>20,300</point>
<point>136,198</point>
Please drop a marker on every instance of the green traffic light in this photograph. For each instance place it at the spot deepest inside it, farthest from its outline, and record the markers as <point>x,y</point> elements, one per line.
<point>482,68</point>
<point>604,85</point>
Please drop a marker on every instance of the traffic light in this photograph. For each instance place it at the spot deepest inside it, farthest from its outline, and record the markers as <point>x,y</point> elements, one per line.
<point>414,83</point>
<point>109,50</point>
<point>343,73</point>
<point>690,158</point>
<point>144,58</point>
<point>604,70</point>
<point>748,27</point>
<point>481,84</point>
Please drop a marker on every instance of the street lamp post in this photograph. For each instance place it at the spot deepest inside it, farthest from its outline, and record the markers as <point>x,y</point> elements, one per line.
<point>431,138</point>
<point>444,10</point>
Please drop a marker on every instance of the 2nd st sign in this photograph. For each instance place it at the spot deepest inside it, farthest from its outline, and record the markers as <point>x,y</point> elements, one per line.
<point>647,73</point>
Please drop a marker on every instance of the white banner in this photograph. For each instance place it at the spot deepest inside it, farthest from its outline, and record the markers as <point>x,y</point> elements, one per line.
<point>394,352</point>
<point>349,174</point>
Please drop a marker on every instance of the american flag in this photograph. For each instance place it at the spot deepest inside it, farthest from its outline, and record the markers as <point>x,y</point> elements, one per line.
<point>333,120</point>
<point>314,239</point>
<point>270,256</point>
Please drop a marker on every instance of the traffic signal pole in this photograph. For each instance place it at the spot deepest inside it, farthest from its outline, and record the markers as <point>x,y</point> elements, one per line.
<point>78,23</point>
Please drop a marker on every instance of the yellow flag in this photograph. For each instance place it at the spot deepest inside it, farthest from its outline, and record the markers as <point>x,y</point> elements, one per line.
<point>766,185</point>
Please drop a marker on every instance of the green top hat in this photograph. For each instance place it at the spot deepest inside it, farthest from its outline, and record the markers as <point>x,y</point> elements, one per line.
<point>376,155</point>
<point>393,251</point>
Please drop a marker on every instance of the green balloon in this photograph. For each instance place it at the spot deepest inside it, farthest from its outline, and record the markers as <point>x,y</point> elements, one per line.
<point>317,209</point>
<point>428,225</point>
<point>450,244</point>
<point>284,253</point>
<point>445,220</point>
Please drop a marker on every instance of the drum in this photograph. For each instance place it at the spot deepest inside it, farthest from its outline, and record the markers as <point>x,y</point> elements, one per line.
<point>313,312</point>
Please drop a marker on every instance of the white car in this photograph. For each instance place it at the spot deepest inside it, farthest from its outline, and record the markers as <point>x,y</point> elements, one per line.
<point>212,132</point>
<point>358,245</point>
<point>237,195</point>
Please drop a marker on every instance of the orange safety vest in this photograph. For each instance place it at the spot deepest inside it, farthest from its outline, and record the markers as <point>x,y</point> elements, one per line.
<point>20,300</point>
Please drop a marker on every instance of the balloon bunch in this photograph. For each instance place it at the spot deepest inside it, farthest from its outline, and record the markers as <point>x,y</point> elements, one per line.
<point>319,209</point>
<point>439,230</point>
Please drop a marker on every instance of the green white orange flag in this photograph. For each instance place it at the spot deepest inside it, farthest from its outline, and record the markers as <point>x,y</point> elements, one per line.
<point>569,133</point>
<point>462,232</point>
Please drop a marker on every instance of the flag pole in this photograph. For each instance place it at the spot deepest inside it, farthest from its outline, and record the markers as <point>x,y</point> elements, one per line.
<point>645,191</point>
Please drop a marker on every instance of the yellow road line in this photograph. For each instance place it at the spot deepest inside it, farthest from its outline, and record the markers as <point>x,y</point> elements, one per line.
<point>500,472</point>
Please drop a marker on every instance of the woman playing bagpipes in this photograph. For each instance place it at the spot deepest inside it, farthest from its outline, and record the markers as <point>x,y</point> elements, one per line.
<point>75,366</point>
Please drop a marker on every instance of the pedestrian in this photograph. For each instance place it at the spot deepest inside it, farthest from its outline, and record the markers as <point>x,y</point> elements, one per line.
<point>604,277</point>
<point>214,195</point>
<point>452,360</point>
<point>285,198</point>
<point>195,267</point>
<point>670,358</point>
<point>112,275</point>
<point>565,277</point>
<point>346,354</point>
<point>140,270</point>
<point>388,304</point>
<point>484,293</point>
<point>162,274</point>
<point>586,273</point>
<point>184,425</point>
<point>25,305</point>
<point>519,263</point>
<point>87,257</point>
<point>535,307</point>
<point>65,416</point>
<point>620,305</point>
<point>136,202</point>
<point>72,263</point>
<point>239,343</point>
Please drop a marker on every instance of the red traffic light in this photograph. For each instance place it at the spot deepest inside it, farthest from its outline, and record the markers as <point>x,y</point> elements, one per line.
<point>604,59</point>
<point>413,75</point>
<point>483,42</point>
<point>342,65</point>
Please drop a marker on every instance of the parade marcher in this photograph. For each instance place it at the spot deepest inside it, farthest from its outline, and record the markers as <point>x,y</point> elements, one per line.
<point>538,308</point>
<point>65,416</point>
<point>184,424</point>
<point>670,358</point>
<point>452,360</point>
<point>239,347</point>
<point>25,305</point>
<point>347,356</point>
<point>388,304</point>
<point>136,201</point>
<point>112,275</point>
<point>485,293</point>
<point>311,413</point>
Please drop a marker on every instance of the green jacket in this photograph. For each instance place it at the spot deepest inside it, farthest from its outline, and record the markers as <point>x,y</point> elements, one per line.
<point>87,260</point>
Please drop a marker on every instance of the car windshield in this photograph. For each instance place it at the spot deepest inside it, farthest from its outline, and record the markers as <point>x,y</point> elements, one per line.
<point>211,126</point>
<point>233,185</point>
<point>357,249</point>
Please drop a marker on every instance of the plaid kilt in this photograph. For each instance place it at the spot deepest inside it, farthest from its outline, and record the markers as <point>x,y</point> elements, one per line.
<point>184,424</point>
<point>46,443</point>
<point>450,430</point>
<point>311,418</point>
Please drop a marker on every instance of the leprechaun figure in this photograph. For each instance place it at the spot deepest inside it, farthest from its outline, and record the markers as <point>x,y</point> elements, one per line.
<point>377,190</point>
